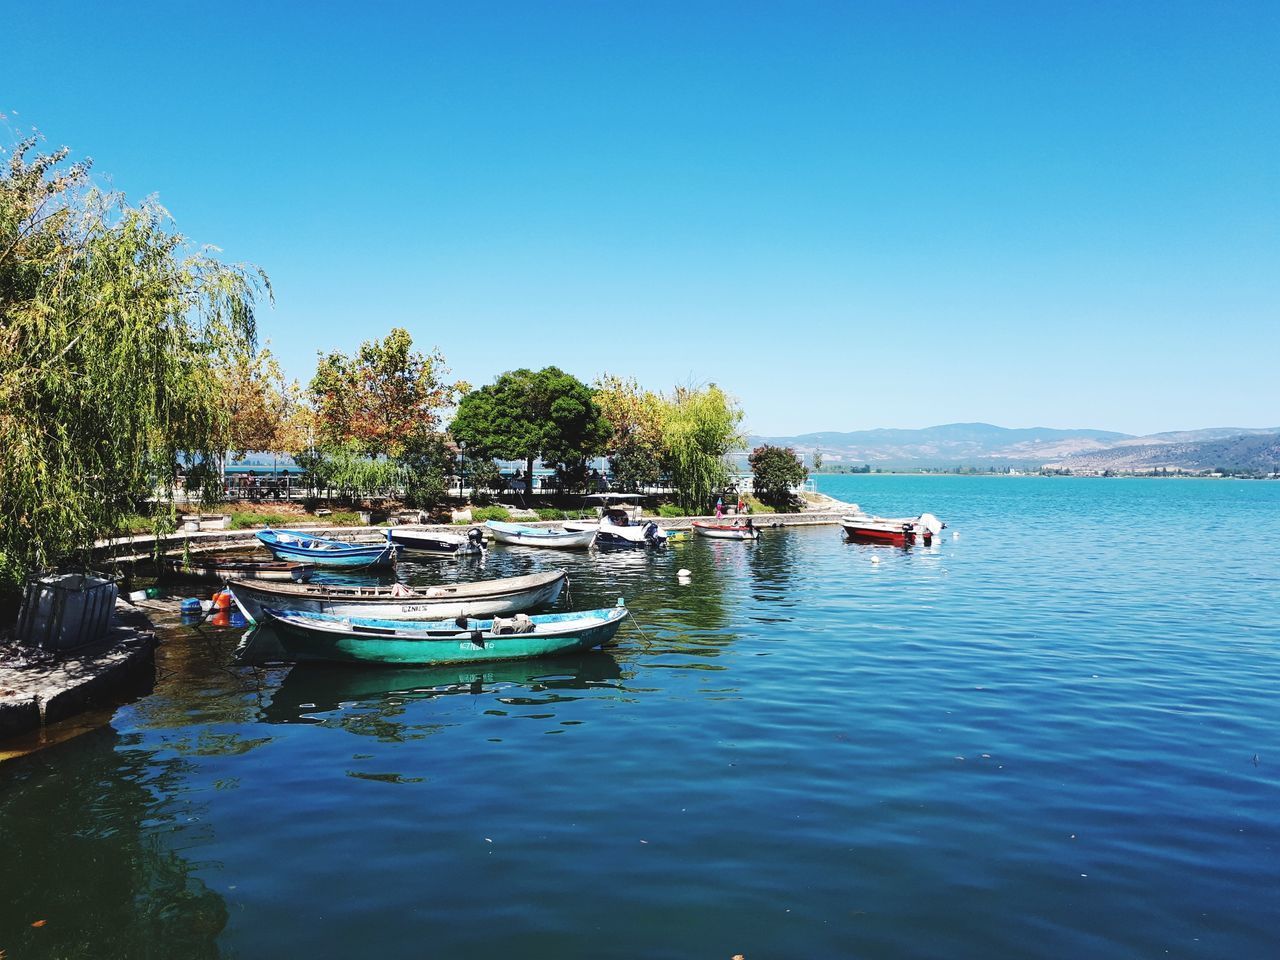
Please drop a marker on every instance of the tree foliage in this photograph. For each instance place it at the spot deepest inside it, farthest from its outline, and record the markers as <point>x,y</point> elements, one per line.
<point>775,471</point>
<point>262,407</point>
<point>111,336</point>
<point>382,395</point>
<point>636,417</point>
<point>700,427</point>
<point>528,415</point>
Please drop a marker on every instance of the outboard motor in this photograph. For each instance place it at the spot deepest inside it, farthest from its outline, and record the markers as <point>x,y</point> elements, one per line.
<point>653,535</point>
<point>475,537</point>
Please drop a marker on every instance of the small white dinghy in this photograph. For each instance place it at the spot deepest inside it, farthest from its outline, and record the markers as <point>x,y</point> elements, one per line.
<point>514,534</point>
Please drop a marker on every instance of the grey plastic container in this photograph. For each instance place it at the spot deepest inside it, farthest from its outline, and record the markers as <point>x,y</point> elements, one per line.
<point>65,611</point>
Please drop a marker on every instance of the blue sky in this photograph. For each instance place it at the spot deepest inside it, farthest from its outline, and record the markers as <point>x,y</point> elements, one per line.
<point>848,215</point>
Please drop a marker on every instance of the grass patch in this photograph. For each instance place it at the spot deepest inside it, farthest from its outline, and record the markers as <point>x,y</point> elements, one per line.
<point>252,519</point>
<point>755,506</point>
<point>672,510</point>
<point>481,514</point>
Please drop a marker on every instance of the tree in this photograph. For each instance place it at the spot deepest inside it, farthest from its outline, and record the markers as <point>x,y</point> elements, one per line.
<point>529,415</point>
<point>381,396</point>
<point>111,336</point>
<point>426,461</point>
<point>775,471</point>
<point>636,417</point>
<point>700,427</point>
<point>260,403</point>
<point>817,460</point>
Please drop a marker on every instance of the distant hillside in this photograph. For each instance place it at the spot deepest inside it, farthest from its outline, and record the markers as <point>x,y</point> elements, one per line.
<point>948,444</point>
<point>985,445</point>
<point>1253,452</point>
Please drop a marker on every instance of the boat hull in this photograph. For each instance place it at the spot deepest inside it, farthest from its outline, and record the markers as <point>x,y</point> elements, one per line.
<point>442,544</point>
<point>533,537</point>
<point>301,547</point>
<point>310,640</point>
<point>724,531</point>
<point>222,571</point>
<point>612,536</point>
<point>487,598</point>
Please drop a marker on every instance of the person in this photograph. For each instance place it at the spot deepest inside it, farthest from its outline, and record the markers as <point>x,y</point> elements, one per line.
<point>719,508</point>
<point>742,504</point>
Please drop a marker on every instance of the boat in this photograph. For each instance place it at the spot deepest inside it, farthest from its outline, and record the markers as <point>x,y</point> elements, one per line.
<point>899,531</point>
<point>399,602</point>
<point>222,570</point>
<point>306,637</point>
<point>620,522</point>
<point>726,530</point>
<point>515,534</point>
<point>323,552</point>
<point>443,543</point>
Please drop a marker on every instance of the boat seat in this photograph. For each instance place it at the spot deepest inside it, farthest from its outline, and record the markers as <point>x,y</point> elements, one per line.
<point>510,626</point>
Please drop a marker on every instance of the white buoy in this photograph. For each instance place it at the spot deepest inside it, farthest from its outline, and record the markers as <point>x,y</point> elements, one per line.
<point>682,572</point>
<point>875,559</point>
<point>955,535</point>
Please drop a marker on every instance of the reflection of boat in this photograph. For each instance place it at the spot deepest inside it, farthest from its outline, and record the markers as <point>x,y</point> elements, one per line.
<point>518,535</point>
<point>450,544</point>
<point>733,530</point>
<point>321,687</point>
<point>898,531</point>
<point>317,636</point>
<point>323,552</point>
<point>212,568</point>
<point>398,602</point>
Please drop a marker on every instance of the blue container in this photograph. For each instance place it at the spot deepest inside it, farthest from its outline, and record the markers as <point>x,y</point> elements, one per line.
<point>191,607</point>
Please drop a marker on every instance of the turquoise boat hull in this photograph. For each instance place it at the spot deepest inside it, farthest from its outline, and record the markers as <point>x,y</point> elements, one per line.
<point>308,637</point>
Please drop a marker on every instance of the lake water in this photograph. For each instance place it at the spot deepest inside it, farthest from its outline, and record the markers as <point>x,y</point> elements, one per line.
<point>1056,734</point>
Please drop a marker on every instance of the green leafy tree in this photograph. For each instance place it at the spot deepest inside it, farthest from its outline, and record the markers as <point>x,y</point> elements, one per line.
<point>426,460</point>
<point>529,415</point>
<point>636,417</point>
<point>699,428</point>
<point>112,333</point>
<point>381,396</point>
<point>775,471</point>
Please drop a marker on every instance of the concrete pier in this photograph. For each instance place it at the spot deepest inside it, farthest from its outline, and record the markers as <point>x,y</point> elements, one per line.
<point>35,692</point>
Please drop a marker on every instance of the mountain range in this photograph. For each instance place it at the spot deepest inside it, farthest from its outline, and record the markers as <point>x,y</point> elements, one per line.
<point>985,445</point>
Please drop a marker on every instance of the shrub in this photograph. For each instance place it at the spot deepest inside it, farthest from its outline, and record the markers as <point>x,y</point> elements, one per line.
<point>672,510</point>
<point>481,514</point>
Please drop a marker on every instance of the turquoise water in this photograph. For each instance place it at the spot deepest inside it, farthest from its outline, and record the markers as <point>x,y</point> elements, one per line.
<point>1057,735</point>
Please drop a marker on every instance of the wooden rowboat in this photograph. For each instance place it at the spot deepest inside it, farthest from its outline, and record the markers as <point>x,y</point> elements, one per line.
<point>735,530</point>
<point>223,570</point>
<point>317,637</point>
<point>515,534</point>
<point>483,598</point>
<point>323,552</point>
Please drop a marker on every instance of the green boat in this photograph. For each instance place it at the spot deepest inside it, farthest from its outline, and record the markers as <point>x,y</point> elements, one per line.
<point>306,637</point>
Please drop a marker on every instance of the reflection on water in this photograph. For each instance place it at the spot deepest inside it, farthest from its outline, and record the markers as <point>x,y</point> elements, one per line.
<point>312,690</point>
<point>92,835</point>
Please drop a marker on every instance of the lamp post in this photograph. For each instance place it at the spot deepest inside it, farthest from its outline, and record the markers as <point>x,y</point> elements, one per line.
<point>462,466</point>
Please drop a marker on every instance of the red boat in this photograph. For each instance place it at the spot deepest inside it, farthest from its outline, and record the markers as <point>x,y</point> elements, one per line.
<point>899,532</point>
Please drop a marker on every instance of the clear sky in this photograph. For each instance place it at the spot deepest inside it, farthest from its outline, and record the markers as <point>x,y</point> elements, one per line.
<point>849,215</point>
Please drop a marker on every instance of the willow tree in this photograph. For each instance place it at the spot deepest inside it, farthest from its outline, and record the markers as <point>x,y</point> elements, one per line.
<point>699,429</point>
<point>112,333</point>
